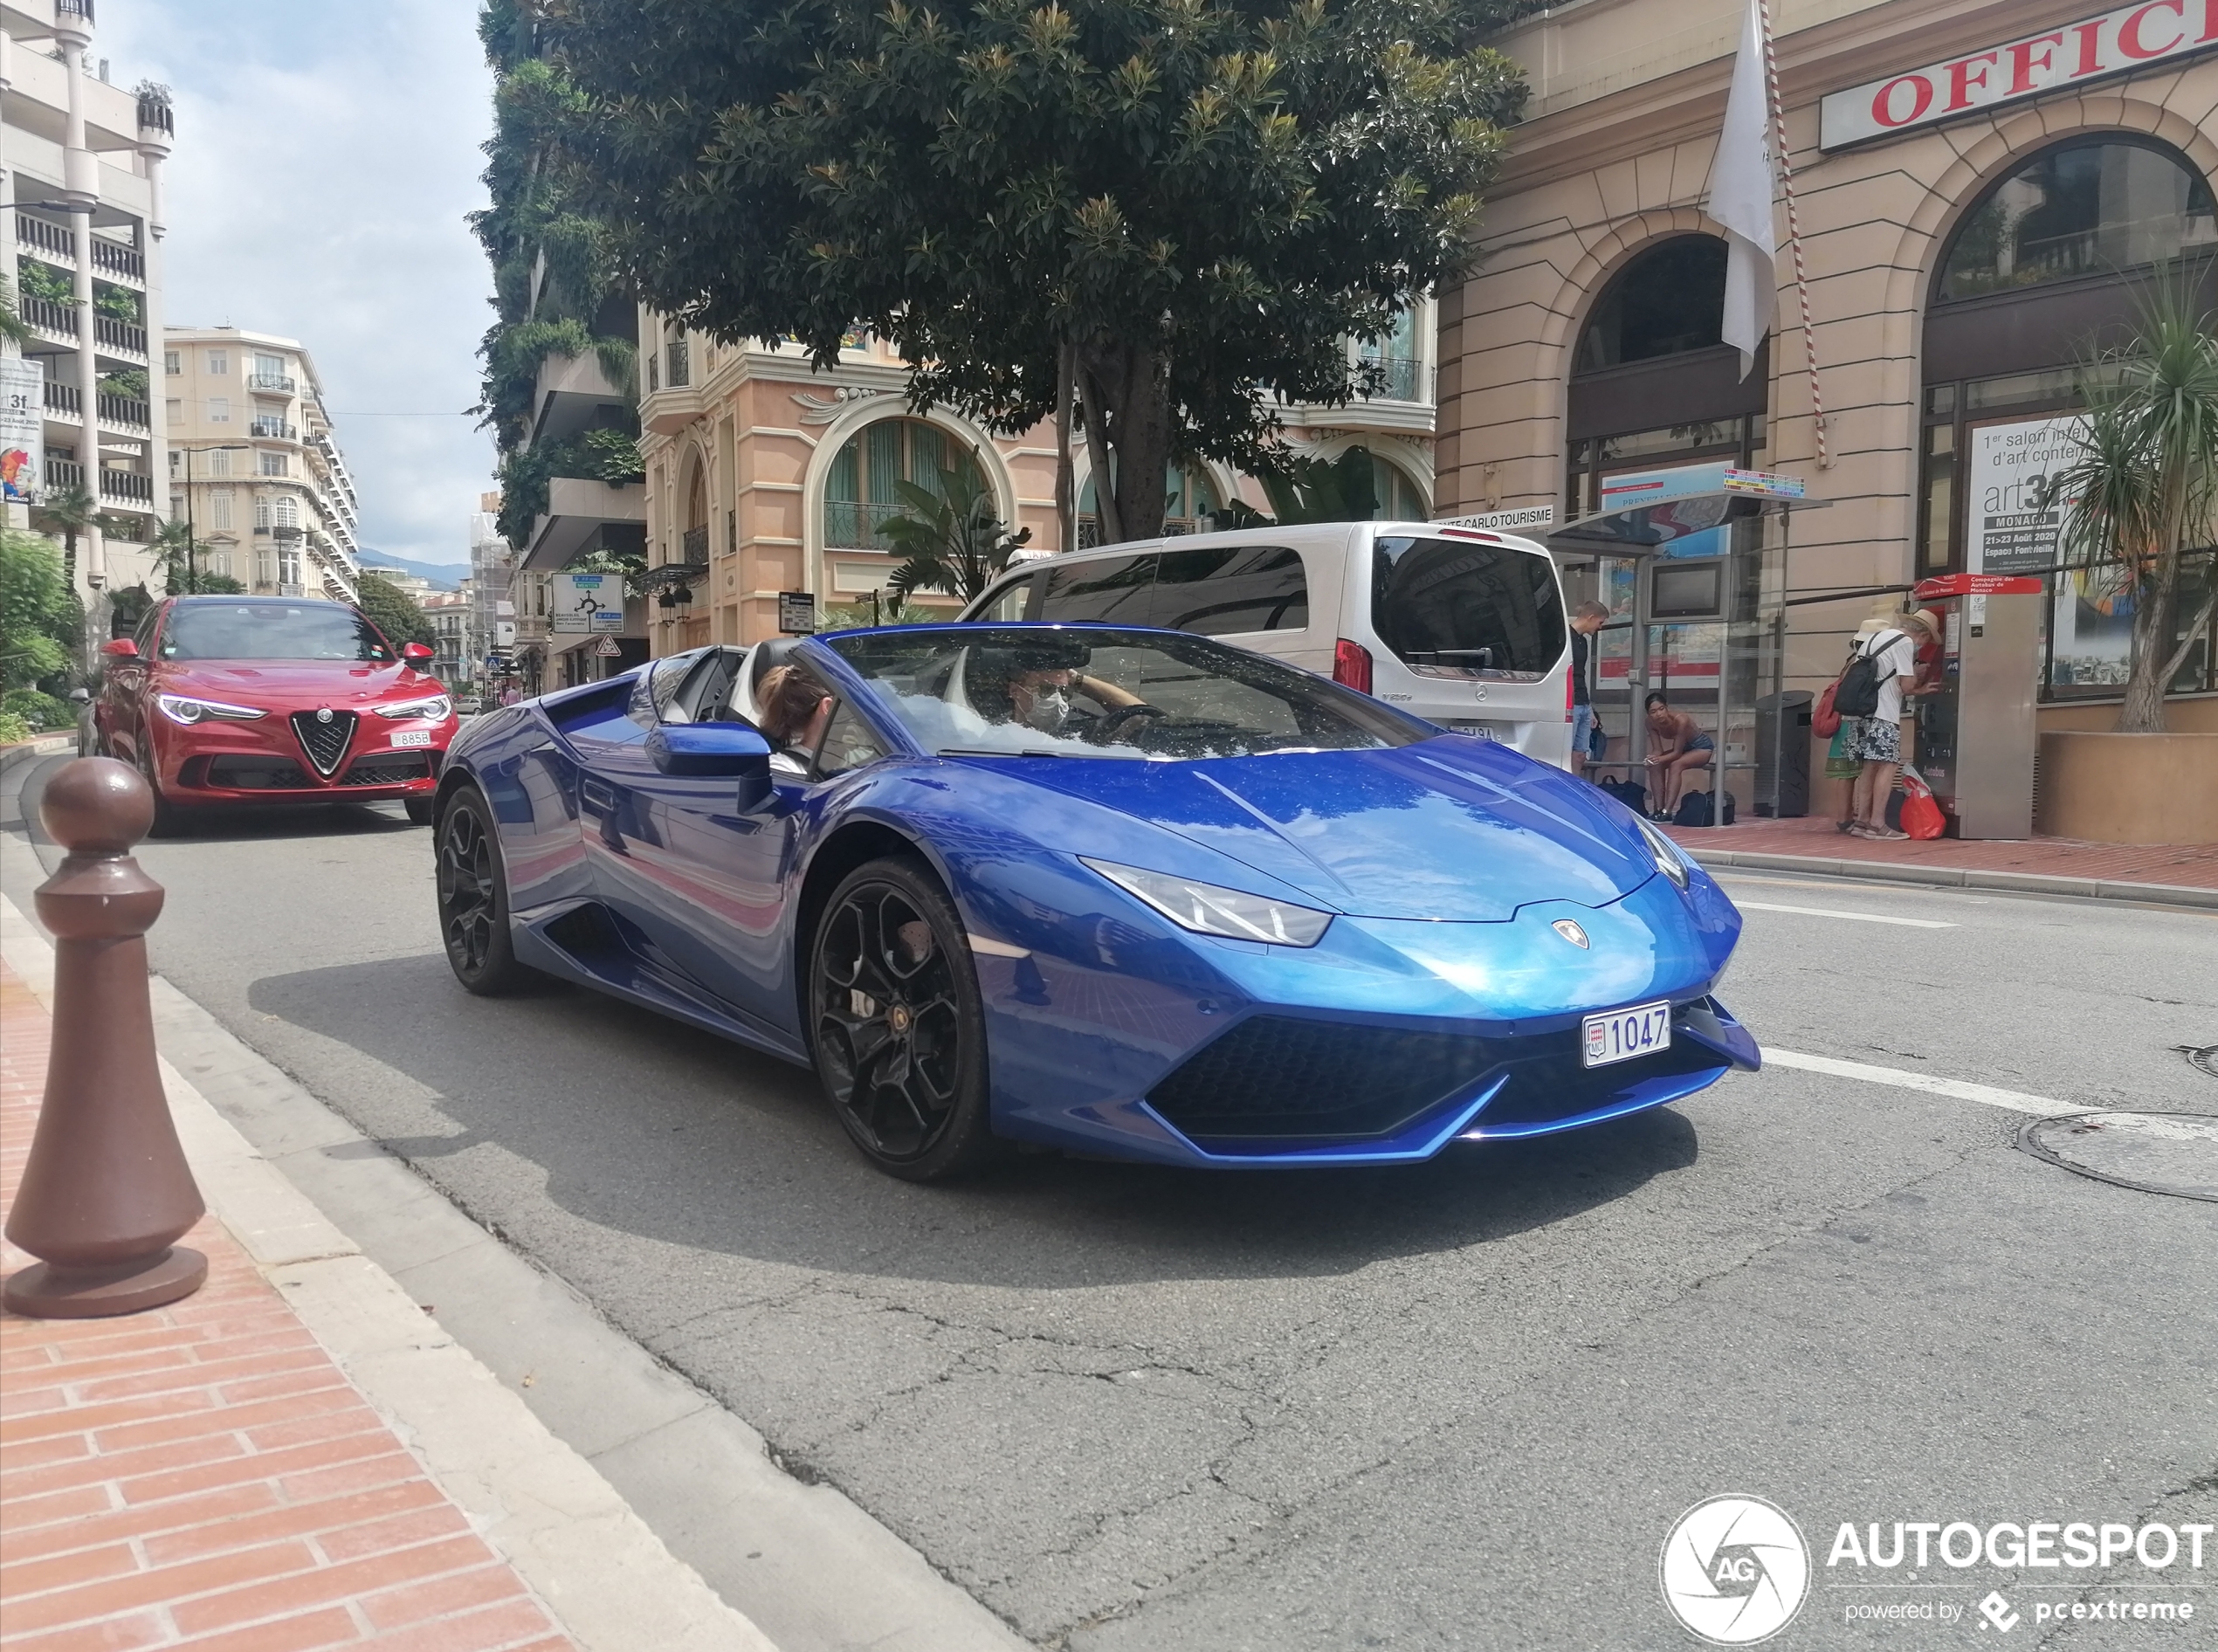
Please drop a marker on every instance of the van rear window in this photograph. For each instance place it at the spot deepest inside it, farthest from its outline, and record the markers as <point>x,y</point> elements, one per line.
<point>1115,587</point>
<point>1466,606</point>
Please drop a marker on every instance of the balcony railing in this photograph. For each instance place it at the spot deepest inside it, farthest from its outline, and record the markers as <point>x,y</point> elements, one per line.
<point>74,9</point>
<point>64,473</point>
<point>126,410</point>
<point>64,399</point>
<point>275,429</point>
<point>850,527</point>
<point>278,381</point>
<point>48,316</point>
<point>111,260</point>
<point>128,486</point>
<point>1405,378</point>
<point>128,337</point>
<point>290,587</point>
<point>696,543</point>
<point>50,238</point>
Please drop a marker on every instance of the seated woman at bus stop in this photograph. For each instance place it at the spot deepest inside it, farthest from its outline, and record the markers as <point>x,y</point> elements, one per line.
<point>1677,747</point>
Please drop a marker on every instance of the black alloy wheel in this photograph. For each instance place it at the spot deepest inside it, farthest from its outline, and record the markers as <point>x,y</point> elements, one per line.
<point>473,899</point>
<point>897,1025</point>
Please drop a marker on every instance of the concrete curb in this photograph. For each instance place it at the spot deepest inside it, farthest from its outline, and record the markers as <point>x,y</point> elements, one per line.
<point>38,745</point>
<point>602,1575</point>
<point>1962,877</point>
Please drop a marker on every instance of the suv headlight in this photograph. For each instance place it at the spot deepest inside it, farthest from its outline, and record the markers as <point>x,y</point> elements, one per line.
<point>1208,910</point>
<point>183,708</point>
<point>438,707</point>
<point>1665,853</point>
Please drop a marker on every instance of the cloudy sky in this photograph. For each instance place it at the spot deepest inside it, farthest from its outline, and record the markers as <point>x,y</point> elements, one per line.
<point>328,151</point>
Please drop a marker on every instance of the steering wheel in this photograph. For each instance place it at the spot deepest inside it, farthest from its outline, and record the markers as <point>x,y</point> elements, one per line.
<point>1117,716</point>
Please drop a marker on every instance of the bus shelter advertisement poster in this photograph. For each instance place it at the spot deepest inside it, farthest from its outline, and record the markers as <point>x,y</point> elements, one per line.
<point>2013,525</point>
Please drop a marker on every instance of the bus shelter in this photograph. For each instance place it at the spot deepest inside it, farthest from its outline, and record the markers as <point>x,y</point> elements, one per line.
<point>1692,565</point>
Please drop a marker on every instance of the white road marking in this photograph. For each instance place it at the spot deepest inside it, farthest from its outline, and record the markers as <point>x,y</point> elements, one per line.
<point>1955,1088</point>
<point>1861,918</point>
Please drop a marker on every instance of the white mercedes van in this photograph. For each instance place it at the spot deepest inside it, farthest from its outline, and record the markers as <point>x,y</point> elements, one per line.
<point>1462,627</point>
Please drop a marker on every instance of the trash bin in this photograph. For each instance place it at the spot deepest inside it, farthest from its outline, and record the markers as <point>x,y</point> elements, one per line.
<point>1783,754</point>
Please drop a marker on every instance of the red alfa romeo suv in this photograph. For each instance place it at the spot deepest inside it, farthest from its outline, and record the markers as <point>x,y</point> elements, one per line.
<point>262,699</point>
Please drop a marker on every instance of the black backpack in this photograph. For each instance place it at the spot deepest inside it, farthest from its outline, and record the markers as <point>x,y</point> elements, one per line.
<point>1697,809</point>
<point>1858,692</point>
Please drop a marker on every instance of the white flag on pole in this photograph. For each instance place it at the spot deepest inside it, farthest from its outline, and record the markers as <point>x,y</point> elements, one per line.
<point>1741,185</point>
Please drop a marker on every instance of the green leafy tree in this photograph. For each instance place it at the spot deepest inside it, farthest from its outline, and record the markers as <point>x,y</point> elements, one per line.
<point>952,540</point>
<point>394,612</point>
<point>38,614</point>
<point>1174,211</point>
<point>46,281</point>
<point>1313,489</point>
<point>2145,490</point>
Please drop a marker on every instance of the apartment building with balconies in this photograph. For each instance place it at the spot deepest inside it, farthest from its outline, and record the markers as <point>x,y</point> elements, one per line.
<point>254,465</point>
<point>764,476</point>
<point>81,229</point>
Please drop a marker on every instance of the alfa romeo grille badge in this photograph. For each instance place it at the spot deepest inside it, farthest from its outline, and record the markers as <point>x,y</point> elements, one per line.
<point>323,715</point>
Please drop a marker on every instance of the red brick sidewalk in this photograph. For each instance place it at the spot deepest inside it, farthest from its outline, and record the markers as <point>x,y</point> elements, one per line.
<point>205,1477</point>
<point>2191,866</point>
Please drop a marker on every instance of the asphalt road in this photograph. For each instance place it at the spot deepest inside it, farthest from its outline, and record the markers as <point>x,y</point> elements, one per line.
<point>1454,1406</point>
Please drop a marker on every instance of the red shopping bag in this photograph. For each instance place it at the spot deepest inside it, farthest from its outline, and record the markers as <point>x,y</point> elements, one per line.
<point>1921,810</point>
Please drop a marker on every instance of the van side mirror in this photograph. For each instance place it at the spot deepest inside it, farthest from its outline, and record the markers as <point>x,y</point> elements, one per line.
<point>120,648</point>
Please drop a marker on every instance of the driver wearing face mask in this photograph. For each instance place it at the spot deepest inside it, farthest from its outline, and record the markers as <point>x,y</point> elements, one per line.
<point>1044,698</point>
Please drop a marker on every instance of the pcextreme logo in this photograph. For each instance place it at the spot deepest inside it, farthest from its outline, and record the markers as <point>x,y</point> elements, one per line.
<point>1735,1570</point>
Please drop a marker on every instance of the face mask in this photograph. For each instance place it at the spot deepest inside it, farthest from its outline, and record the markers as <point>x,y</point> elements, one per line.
<point>1050,707</point>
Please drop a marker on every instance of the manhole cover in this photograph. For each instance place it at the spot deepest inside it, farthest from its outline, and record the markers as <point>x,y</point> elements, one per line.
<point>2173,1153</point>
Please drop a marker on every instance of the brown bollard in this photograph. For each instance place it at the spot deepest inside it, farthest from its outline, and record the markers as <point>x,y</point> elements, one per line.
<point>107,1191</point>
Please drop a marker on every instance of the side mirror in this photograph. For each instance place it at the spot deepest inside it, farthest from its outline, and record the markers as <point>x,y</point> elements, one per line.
<point>81,696</point>
<point>414,654</point>
<point>120,648</point>
<point>710,749</point>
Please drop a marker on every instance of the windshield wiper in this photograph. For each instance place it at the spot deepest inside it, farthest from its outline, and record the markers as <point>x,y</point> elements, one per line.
<point>988,751</point>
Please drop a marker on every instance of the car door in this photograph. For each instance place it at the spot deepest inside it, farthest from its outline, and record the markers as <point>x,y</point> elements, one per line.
<point>706,878</point>
<point>122,709</point>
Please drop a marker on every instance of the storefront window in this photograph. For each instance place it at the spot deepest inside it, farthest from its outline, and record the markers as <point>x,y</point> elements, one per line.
<point>2088,207</point>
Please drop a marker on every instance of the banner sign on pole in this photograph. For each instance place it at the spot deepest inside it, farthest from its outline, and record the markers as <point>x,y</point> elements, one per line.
<point>797,613</point>
<point>22,430</point>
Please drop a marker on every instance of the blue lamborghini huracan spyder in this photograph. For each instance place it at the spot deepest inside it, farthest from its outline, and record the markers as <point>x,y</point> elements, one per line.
<point>1126,892</point>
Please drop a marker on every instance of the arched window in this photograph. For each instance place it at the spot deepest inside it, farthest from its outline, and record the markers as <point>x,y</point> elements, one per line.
<point>2092,207</point>
<point>1668,301</point>
<point>1188,496</point>
<point>1399,498</point>
<point>288,511</point>
<point>859,490</point>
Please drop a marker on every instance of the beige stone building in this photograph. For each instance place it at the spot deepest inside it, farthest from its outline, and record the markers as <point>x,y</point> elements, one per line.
<point>765,477</point>
<point>254,464</point>
<point>1979,183</point>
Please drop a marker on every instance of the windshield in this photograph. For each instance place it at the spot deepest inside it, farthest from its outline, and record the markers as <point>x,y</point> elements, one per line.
<point>1466,606</point>
<point>1043,689</point>
<point>270,630</point>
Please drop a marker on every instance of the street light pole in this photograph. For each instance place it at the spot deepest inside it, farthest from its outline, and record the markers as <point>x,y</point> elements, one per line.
<point>192,572</point>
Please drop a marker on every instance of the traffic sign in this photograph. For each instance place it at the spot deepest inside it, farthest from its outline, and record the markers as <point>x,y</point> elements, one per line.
<point>606,649</point>
<point>797,613</point>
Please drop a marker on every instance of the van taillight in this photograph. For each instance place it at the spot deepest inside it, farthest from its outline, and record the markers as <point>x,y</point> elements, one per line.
<point>1569,687</point>
<point>1351,665</point>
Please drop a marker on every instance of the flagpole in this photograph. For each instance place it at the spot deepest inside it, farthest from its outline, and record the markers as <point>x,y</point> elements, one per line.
<point>1794,231</point>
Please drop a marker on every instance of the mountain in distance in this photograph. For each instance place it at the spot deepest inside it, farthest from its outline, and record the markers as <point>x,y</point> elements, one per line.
<point>441,576</point>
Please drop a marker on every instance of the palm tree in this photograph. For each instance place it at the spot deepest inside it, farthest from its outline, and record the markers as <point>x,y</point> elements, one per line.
<point>13,328</point>
<point>952,540</point>
<point>69,512</point>
<point>173,548</point>
<point>2146,488</point>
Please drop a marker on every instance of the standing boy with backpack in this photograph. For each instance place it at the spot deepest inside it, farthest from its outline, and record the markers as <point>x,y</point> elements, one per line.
<point>1883,669</point>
